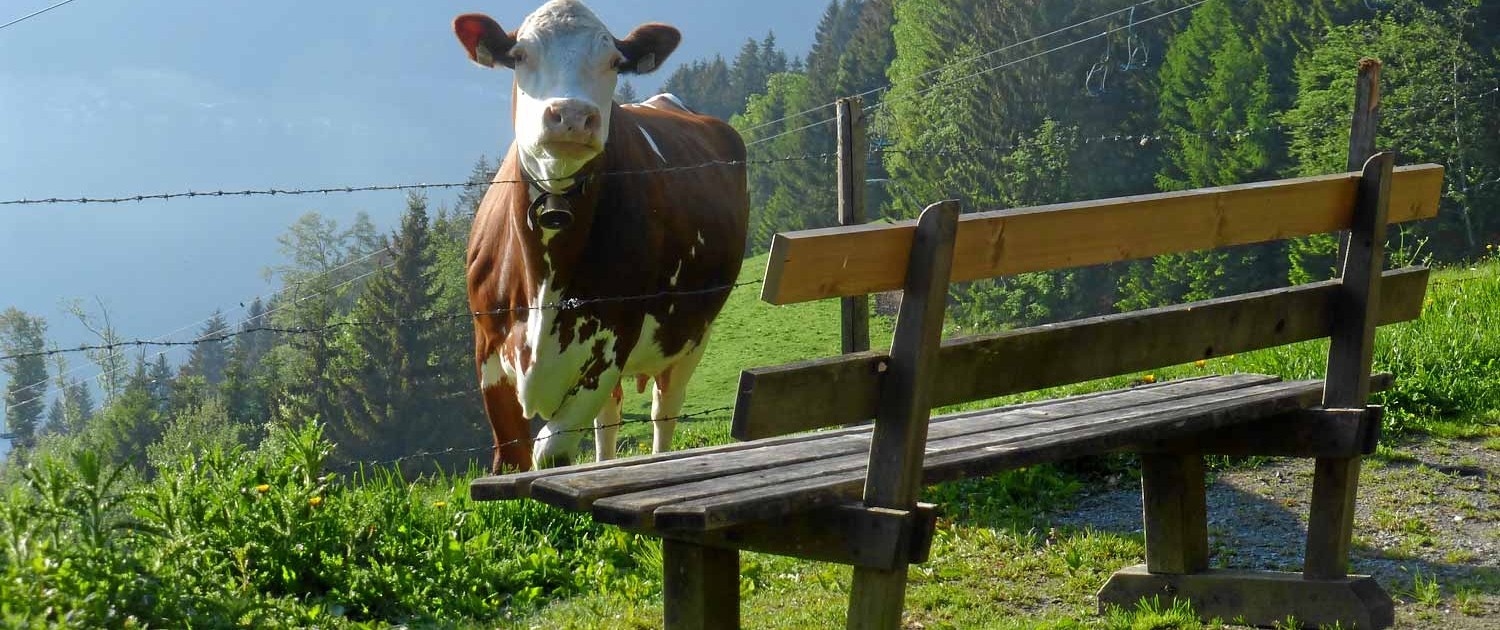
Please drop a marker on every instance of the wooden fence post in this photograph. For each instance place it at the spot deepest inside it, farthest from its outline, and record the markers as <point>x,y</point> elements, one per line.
<point>1364,126</point>
<point>899,441</point>
<point>852,153</point>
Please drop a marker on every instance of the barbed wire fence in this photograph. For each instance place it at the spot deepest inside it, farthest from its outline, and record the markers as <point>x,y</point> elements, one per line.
<point>1138,138</point>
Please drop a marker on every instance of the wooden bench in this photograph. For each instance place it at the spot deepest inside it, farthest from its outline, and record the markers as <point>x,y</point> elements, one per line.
<point>849,494</point>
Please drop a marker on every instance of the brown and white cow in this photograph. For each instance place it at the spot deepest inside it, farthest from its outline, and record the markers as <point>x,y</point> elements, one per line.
<point>598,218</point>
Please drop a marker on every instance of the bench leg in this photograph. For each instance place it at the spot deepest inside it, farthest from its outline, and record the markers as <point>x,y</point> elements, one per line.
<point>701,588</point>
<point>1175,510</point>
<point>1330,524</point>
<point>1177,556</point>
<point>876,598</point>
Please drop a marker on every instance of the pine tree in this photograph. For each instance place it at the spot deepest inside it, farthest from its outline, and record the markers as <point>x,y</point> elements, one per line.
<point>131,423</point>
<point>208,358</point>
<point>626,95</point>
<point>26,377</point>
<point>389,374</point>
<point>479,179</point>
<point>159,384</point>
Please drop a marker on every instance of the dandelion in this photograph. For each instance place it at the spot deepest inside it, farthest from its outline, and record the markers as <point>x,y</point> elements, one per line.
<point>1429,302</point>
<point>1200,364</point>
<point>262,488</point>
<point>315,501</point>
<point>440,504</point>
<point>1149,378</point>
<point>1230,357</point>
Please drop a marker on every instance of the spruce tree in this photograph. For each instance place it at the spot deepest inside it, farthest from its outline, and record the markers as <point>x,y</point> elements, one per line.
<point>209,356</point>
<point>26,377</point>
<point>389,373</point>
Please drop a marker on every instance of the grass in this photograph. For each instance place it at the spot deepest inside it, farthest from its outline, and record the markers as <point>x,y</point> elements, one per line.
<point>269,538</point>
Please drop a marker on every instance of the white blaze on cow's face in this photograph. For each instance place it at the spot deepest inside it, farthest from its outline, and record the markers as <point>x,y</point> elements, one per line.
<point>566,66</point>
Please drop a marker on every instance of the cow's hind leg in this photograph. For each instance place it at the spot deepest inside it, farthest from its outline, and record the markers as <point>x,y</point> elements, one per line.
<point>607,425</point>
<point>667,398</point>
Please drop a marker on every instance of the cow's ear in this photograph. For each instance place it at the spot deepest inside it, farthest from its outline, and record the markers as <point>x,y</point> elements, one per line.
<point>646,47</point>
<point>486,42</point>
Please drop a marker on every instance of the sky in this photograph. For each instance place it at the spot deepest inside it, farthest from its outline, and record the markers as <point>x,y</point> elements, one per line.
<point>103,98</point>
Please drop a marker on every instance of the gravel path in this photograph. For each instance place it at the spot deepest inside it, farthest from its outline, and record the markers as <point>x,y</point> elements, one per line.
<point>1428,508</point>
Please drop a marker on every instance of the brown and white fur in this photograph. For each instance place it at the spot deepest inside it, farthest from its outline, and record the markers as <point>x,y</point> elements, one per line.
<point>632,234</point>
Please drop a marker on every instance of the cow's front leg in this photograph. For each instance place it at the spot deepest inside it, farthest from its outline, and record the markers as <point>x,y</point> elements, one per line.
<point>607,425</point>
<point>559,443</point>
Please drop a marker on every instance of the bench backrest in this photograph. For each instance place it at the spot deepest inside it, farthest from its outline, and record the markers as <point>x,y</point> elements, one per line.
<point>835,262</point>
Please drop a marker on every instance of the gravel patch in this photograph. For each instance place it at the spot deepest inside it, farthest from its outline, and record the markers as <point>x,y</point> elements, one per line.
<point>1428,508</point>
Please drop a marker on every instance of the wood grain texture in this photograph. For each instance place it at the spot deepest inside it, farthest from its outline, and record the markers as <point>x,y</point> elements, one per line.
<point>1304,433</point>
<point>837,262</point>
<point>673,482</point>
<point>700,587</point>
<point>848,534</point>
<point>900,433</point>
<point>1351,351</point>
<point>1261,598</point>
<point>854,310</point>
<point>843,390</point>
<point>1174,506</point>
<point>518,485</point>
<point>986,452</point>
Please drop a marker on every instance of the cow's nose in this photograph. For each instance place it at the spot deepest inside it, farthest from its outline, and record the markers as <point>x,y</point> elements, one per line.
<point>571,116</point>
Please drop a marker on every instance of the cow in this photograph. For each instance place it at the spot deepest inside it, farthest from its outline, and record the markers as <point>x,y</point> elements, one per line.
<point>605,245</point>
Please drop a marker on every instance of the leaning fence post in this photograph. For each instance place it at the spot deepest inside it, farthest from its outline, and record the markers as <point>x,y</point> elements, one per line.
<point>855,310</point>
<point>1364,126</point>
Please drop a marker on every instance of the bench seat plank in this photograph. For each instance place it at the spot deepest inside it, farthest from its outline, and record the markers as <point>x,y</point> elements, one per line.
<point>579,490</point>
<point>636,510</point>
<point>518,485</point>
<point>977,454</point>
<point>511,486</point>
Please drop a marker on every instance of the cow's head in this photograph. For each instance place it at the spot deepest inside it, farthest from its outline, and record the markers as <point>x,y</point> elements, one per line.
<point>566,64</point>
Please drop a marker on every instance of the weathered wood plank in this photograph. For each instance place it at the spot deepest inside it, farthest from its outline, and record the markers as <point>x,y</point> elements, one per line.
<point>1174,505</point>
<point>1260,598</point>
<point>854,310</point>
<point>898,442</point>
<point>836,262</point>
<point>700,588</point>
<point>843,390</point>
<point>849,534</point>
<point>518,485</point>
<point>977,454</point>
<point>629,498</point>
<point>1351,351</point>
<point>1301,433</point>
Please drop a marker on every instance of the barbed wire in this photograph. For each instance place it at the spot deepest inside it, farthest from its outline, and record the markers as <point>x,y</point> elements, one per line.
<point>564,305</point>
<point>699,415</point>
<point>161,338</point>
<point>328,190</point>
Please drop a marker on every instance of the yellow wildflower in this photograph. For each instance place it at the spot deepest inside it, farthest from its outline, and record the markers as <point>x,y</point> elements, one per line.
<point>315,501</point>
<point>1200,363</point>
<point>1149,378</point>
<point>440,504</point>
<point>1230,357</point>
<point>1429,302</point>
<point>262,488</point>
